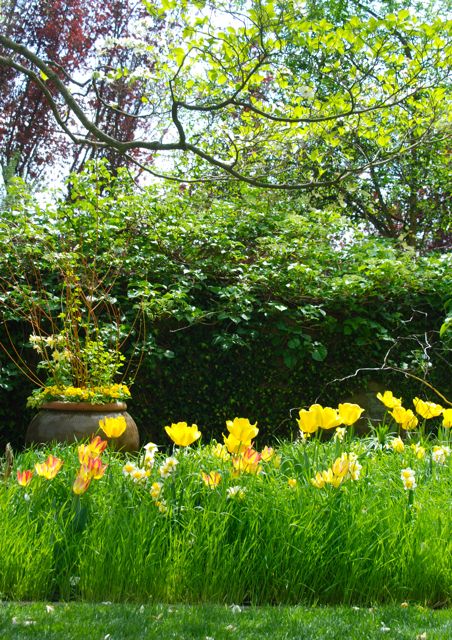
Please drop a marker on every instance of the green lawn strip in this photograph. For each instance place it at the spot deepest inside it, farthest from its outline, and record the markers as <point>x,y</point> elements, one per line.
<point>105,621</point>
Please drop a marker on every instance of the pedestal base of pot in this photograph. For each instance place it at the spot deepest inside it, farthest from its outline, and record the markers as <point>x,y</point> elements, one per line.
<point>73,421</point>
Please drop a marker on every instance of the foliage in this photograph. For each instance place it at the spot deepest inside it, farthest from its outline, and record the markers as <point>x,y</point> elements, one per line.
<point>196,526</point>
<point>226,99</point>
<point>67,32</point>
<point>215,282</point>
<point>58,286</point>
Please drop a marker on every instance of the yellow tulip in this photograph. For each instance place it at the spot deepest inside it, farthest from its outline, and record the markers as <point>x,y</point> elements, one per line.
<point>427,409</point>
<point>113,427</point>
<point>307,421</point>
<point>235,446</point>
<point>49,468</point>
<point>211,479</point>
<point>267,453</point>
<point>182,435</point>
<point>221,451</point>
<point>292,482</point>
<point>327,417</point>
<point>81,482</point>
<point>447,418</point>
<point>349,413</point>
<point>404,417</point>
<point>318,481</point>
<point>397,445</point>
<point>242,429</point>
<point>340,466</point>
<point>247,462</point>
<point>388,400</point>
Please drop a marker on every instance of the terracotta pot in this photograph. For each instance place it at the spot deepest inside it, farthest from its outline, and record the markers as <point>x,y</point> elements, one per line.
<point>72,421</point>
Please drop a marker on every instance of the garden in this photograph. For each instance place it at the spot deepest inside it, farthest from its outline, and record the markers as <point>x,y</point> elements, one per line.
<point>225,320</point>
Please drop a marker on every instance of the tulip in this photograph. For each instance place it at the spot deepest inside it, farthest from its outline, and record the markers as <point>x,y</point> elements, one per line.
<point>81,482</point>
<point>221,451</point>
<point>49,468</point>
<point>97,446</point>
<point>349,413</point>
<point>307,421</point>
<point>211,479</point>
<point>242,429</point>
<point>318,416</point>
<point>247,462</point>
<point>340,466</point>
<point>267,453</point>
<point>182,435</point>
<point>95,468</point>
<point>24,477</point>
<point>113,427</point>
<point>292,482</point>
<point>234,445</point>
<point>327,417</point>
<point>389,400</point>
<point>447,418</point>
<point>397,445</point>
<point>404,417</point>
<point>427,409</point>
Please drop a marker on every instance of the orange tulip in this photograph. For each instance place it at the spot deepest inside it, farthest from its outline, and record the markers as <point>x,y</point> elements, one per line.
<point>24,477</point>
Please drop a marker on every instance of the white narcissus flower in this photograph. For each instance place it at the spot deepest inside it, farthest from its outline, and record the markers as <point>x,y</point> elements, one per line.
<point>168,467</point>
<point>408,478</point>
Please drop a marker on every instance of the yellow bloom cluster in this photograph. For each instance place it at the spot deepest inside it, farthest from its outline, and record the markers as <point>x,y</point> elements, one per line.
<point>406,417</point>
<point>318,417</point>
<point>344,468</point>
<point>241,434</point>
<point>101,394</point>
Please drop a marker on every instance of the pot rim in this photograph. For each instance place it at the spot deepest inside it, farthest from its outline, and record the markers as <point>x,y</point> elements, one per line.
<point>60,405</point>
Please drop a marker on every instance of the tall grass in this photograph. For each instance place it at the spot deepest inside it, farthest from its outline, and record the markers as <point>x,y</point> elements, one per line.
<point>367,541</point>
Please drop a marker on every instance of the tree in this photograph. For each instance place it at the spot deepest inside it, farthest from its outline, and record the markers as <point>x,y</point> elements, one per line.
<point>223,99</point>
<point>65,32</point>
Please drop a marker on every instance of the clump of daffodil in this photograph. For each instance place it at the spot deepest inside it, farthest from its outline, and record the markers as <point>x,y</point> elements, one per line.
<point>409,479</point>
<point>344,468</point>
<point>168,467</point>
<point>440,454</point>
<point>113,427</point>
<point>404,417</point>
<point>427,409</point>
<point>236,492</point>
<point>241,434</point>
<point>388,399</point>
<point>150,449</point>
<point>182,435</point>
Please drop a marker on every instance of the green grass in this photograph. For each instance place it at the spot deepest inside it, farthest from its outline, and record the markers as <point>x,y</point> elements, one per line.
<point>123,622</point>
<point>367,541</point>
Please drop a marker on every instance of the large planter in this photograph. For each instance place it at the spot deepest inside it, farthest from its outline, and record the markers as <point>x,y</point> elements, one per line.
<point>73,421</point>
